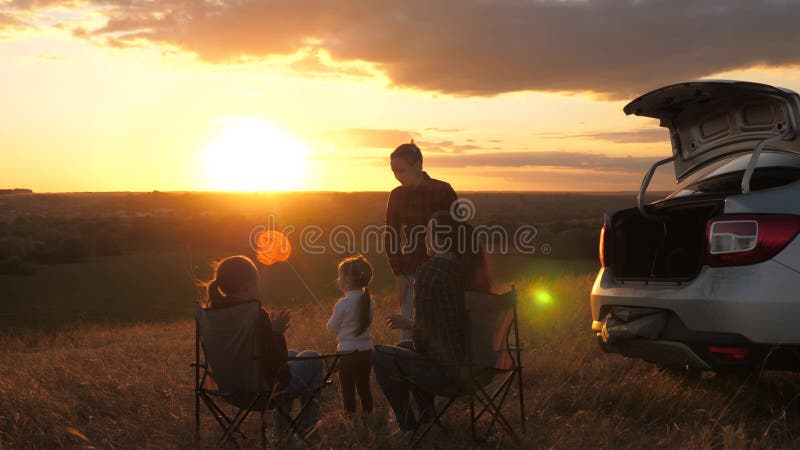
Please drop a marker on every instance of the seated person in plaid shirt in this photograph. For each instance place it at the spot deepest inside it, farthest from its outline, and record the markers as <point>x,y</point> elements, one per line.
<point>410,206</point>
<point>438,323</point>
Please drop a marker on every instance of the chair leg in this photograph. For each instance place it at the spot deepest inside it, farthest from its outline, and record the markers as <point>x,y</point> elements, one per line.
<point>263,430</point>
<point>494,410</point>
<point>418,435</point>
<point>491,405</point>
<point>504,385</point>
<point>196,418</point>
<point>499,416</point>
<point>472,418</point>
<point>217,413</point>
<point>238,419</point>
<point>293,428</point>
<point>230,426</point>
<point>294,421</point>
<point>521,398</point>
<point>230,429</point>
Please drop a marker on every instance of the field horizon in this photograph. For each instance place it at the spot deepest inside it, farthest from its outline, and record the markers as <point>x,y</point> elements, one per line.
<point>301,191</point>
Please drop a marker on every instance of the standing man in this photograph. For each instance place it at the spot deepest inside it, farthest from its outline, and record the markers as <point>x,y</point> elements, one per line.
<point>410,207</point>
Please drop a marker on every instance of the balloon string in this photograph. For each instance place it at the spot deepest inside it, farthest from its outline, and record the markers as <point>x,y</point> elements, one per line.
<point>300,277</point>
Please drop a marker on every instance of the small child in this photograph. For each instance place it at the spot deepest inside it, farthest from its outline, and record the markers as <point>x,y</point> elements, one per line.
<point>352,324</point>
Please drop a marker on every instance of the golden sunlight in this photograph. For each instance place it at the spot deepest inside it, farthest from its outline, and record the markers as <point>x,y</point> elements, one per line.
<point>251,155</point>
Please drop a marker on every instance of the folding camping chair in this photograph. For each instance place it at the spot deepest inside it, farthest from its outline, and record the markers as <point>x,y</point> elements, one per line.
<point>493,363</point>
<point>228,368</point>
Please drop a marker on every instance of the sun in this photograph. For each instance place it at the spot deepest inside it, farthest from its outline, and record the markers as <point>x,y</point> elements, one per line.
<point>251,155</point>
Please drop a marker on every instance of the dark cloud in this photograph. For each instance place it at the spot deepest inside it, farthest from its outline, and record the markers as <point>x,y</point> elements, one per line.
<point>577,160</point>
<point>617,48</point>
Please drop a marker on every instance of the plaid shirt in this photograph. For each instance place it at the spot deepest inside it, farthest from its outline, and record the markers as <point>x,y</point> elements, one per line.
<point>407,215</point>
<point>439,311</point>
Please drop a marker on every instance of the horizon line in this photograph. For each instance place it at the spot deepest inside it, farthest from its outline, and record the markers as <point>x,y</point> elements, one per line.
<point>158,191</point>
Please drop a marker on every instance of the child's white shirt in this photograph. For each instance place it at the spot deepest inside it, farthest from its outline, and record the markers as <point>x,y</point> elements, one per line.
<point>344,323</point>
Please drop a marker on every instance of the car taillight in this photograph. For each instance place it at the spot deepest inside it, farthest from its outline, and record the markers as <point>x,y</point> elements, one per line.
<point>739,239</point>
<point>602,249</point>
<point>730,353</point>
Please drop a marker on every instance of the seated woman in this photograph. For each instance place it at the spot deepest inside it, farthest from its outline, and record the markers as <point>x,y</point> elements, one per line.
<point>236,281</point>
<point>439,320</point>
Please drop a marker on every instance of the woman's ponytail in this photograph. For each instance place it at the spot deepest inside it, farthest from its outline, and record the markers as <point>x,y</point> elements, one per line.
<point>213,294</point>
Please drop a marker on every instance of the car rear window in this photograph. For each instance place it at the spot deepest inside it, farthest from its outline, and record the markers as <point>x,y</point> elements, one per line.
<point>725,176</point>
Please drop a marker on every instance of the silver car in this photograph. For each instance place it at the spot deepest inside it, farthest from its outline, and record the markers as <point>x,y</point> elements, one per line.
<point>708,278</point>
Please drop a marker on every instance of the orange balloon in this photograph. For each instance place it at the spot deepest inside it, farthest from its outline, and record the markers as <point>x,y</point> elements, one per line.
<point>272,246</point>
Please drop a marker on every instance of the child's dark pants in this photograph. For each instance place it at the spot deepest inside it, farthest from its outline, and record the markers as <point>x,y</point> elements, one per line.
<point>354,374</point>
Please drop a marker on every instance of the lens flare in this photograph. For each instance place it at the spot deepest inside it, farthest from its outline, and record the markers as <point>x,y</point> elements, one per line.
<point>542,297</point>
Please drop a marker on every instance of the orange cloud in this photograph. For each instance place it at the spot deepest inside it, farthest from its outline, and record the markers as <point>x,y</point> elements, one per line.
<point>364,137</point>
<point>575,160</point>
<point>649,135</point>
<point>8,21</point>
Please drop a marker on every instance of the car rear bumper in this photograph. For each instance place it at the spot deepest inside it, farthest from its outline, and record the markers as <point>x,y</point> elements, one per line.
<point>760,303</point>
<point>657,351</point>
<point>698,356</point>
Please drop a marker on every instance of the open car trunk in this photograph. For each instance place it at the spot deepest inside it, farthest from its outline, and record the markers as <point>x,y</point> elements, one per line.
<point>669,247</point>
<point>710,119</point>
<point>707,121</point>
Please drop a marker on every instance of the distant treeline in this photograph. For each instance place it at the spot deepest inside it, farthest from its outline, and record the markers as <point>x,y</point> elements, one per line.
<point>47,229</point>
<point>28,241</point>
<point>15,191</point>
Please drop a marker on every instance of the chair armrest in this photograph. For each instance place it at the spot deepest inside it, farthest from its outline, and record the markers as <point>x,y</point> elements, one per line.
<point>312,358</point>
<point>429,361</point>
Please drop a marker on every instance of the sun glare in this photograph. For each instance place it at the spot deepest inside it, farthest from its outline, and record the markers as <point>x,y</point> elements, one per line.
<point>251,155</point>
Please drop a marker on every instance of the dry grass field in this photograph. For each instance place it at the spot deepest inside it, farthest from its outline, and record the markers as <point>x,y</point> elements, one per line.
<point>96,354</point>
<point>130,386</point>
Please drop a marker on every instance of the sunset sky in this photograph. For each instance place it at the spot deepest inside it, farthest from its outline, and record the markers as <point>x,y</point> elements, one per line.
<point>134,95</point>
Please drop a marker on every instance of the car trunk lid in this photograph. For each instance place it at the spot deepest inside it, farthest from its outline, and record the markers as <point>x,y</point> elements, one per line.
<point>711,119</point>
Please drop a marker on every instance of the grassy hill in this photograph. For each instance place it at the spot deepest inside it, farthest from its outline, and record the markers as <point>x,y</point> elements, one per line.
<point>103,386</point>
